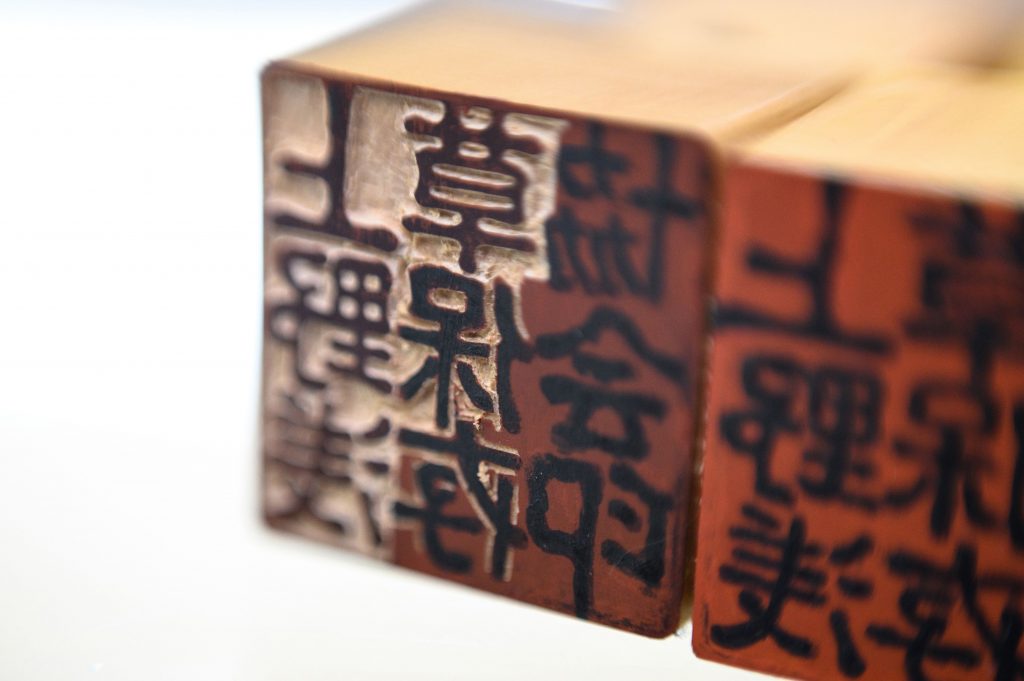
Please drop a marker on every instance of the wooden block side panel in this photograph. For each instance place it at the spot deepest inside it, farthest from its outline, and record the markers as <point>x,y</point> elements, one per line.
<point>863,490</point>
<point>483,327</point>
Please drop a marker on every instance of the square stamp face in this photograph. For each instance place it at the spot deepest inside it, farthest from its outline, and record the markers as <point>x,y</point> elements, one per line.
<point>482,331</point>
<point>862,512</point>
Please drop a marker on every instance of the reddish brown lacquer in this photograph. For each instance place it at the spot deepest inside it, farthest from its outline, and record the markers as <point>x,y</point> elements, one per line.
<point>484,323</point>
<point>862,513</point>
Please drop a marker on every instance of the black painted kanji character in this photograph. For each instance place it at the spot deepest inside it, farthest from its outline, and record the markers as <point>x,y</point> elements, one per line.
<point>352,296</point>
<point>662,203</point>
<point>610,247</point>
<point>575,433</point>
<point>600,161</point>
<point>493,501</point>
<point>955,465</point>
<point>332,172</point>
<point>773,383</point>
<point>788,559</point>
<point>427,281</point>
<point>842,417</point>
<point>472,183</point>
<point>437,485</point>
<point>647,564</point>
<point>572,243</point>
<point>816,275</point>
<point>961,416</point>
<point>585,400</point>
<point>791,580</point>
<point>967,235</point>
<point>949,471</point>
<point>315,456</point>
<point>923,644</point>
<point>576,545</point>
<point>1004,640</point>
<point>931,595</point>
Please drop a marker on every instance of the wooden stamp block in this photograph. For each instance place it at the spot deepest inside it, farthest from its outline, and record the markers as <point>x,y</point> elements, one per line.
<point>483,323</point>
<point>862,510</point>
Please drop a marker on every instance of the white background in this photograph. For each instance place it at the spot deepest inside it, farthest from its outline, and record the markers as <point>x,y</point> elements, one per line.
<point>130,541</point>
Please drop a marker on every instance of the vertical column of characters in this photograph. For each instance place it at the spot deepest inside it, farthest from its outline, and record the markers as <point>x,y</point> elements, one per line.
<point>844,529</point>
<point>329,438</point>
<point>612,382</point>
<point>787,545</point>
<point>479,186</point>
<point>958,444</point>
